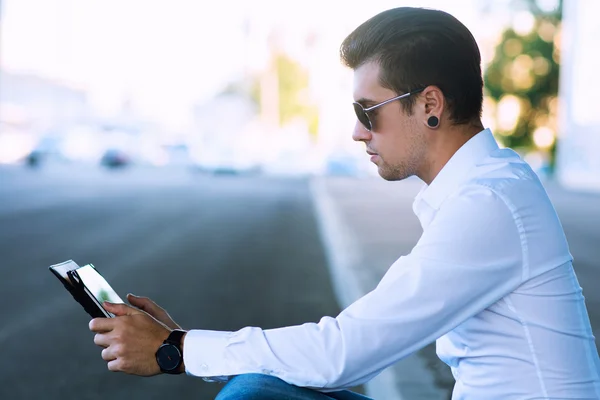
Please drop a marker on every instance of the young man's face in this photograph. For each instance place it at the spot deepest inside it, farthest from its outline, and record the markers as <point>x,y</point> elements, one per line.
<point>396,139</point>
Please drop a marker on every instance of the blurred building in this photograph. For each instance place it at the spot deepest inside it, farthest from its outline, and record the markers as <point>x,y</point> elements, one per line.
<point>223,137</point>
<point>578,148</point>
<point>30,107</point>
<point>43,102</point>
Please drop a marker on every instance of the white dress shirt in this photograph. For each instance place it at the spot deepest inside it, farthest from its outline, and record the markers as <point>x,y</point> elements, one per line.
<point>490,279</point>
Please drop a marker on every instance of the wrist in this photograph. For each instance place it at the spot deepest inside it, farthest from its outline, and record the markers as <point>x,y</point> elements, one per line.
<point>181,369</point>
<point>169,355</point>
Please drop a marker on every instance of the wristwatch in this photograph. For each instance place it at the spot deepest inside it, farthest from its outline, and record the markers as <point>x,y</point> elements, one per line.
<point>169,355</point>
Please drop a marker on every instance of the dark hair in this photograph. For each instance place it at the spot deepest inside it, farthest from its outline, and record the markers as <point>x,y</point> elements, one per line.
<point>417,47</point>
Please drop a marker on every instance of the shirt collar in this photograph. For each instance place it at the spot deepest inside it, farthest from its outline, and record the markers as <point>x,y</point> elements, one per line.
<point>457,168</point>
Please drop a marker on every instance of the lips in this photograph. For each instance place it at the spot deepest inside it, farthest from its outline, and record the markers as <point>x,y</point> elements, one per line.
<point>374,156</point>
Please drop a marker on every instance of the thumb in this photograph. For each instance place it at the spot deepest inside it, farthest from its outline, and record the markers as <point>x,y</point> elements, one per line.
<point>143,303</point>
<point>119,309</point>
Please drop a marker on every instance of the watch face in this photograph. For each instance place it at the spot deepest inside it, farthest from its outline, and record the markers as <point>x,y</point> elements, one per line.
<point>168,357</point>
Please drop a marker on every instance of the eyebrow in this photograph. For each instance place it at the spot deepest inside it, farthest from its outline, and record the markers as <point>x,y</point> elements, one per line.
<point>363,101</point>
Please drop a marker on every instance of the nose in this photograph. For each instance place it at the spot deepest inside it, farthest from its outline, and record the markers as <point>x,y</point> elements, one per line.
<point>360,133</point>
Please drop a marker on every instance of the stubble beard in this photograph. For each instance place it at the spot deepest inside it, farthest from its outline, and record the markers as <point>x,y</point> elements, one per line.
<point>405,168</point>
<point>396,172</point>
<point>408,164</point>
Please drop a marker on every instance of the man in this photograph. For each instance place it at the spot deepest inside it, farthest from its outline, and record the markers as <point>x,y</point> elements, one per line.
<point>491,278</point>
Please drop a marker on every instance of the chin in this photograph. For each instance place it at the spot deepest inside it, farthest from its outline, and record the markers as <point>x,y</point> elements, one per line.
<point>390,174</point>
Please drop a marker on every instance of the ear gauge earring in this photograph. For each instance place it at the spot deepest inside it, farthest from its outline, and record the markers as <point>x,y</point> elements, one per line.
<point>433,122</point>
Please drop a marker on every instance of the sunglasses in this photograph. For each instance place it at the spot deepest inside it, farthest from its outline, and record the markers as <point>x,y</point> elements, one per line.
<point>363,113</point>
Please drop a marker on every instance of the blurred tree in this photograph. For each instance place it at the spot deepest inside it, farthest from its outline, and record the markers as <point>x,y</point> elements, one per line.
<point>292,91</point>
<point>294,97</point>
<point>522,78</point>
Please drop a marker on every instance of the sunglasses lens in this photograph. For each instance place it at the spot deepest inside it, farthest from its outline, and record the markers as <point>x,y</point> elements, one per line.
<point>362,116</point>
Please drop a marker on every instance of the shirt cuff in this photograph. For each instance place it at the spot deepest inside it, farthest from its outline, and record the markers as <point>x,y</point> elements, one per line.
<point>204,353</point>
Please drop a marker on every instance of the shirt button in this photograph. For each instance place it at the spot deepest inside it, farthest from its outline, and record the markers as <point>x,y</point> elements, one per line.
<point>266,372</point>
<point>204,368</point>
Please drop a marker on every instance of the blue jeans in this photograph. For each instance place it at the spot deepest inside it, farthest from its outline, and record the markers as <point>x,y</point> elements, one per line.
<point>265,387</point>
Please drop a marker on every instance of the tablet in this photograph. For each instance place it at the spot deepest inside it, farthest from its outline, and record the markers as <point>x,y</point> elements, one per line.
<point>87,287</point>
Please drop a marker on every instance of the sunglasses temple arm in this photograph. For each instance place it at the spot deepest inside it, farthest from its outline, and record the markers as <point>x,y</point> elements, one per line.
<point>392,99</point>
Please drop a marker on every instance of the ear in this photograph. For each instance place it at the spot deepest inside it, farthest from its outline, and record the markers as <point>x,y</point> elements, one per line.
<point>434,103</point>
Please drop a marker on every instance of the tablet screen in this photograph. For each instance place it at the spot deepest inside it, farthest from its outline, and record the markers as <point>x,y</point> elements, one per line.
<point>97,285</point>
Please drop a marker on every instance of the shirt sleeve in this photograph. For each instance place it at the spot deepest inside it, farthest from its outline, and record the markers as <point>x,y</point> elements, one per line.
<point>470,256</point>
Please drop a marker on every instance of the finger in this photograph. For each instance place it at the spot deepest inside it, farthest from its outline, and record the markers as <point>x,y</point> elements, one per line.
<point>119,309</point>
<point>144,303</point>
<point>140,302</point>
<point>114,366</point>
<point>102,340</point>
<point>133,299</point>
<point>100,325</point>
<point>108,355</point>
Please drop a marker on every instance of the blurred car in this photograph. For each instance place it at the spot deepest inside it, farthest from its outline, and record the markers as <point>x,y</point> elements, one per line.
<point>114,158</point>
<point>47,148</point>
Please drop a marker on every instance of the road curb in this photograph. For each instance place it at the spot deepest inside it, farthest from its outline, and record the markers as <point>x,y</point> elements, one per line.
<point>342,255</point>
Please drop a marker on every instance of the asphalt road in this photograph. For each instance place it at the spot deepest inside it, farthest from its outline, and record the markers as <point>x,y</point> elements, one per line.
<point>217,252</point>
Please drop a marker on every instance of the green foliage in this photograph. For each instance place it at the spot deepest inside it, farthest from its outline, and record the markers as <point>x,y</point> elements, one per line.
<point>294,99</point>
<point>528,68</point>
<point>293,93</point>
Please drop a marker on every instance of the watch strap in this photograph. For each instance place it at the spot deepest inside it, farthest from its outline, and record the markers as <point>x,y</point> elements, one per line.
<point>175,338</point>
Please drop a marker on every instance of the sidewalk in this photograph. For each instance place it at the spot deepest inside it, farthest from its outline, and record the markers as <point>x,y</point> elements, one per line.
<point>366,224</point>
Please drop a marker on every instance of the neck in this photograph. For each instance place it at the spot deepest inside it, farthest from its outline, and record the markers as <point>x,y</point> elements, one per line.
<point>443,145</point>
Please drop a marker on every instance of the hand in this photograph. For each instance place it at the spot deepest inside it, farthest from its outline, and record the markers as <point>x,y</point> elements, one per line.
<point>130,340</point>
<point>145,304</point>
